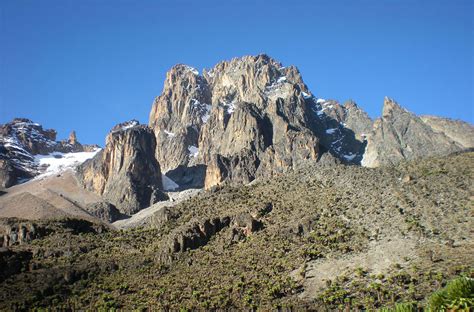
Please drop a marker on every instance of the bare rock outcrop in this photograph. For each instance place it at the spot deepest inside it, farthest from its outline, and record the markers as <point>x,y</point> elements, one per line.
<point>14,232</point>
<point>242,119</point>
<point>400,135</point>
<point>350,115</point>
<point>125,173</point>
<point>197,233</point>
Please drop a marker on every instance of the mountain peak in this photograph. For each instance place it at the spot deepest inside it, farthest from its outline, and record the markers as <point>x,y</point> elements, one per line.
<point>391,107</point>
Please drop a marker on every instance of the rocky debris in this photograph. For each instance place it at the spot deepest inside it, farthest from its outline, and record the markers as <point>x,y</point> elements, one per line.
<point>22,139</point>
<point>457,130</point>
<point>125,173</point>
<point>400,135</point>
<point>104,211</point>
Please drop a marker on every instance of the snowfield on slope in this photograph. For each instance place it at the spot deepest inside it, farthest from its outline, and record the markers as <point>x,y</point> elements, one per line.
<point>57,162</point>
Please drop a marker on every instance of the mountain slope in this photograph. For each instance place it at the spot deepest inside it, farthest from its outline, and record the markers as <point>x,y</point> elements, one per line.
<point>399,232</point>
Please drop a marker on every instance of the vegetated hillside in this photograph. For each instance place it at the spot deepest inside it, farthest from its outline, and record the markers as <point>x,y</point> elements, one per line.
<point>321,237</point>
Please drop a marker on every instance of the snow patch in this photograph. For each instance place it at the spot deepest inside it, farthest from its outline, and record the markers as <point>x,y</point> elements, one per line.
<point>168,184</point>
<point>203,109</point>
<point>192,69</point>
<point>331,131</point>
<point>229,107</point>
<point>58,162</point>
<point>129,124</point>
<point>306,95</point>
<point>193,151</point>
<point>319,101</point>
<point>349,157</point>
<point>281,79</point>
<point>169,134</point>
<point>329,106</point>
<point>207,114</point>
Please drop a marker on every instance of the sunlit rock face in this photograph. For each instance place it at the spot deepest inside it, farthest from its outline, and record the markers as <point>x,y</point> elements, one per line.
<point>400,135</point>
<point>125,173</point>
<point>242,119</point>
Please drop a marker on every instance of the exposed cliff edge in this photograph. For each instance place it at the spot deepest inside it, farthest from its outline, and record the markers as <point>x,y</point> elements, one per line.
<point>125,172</point>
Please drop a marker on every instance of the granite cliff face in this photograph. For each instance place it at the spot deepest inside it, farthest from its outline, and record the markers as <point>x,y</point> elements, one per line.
<point>400,135</point>
<point>125,173</point>
<point>242,119</point>
<point>21,140</point>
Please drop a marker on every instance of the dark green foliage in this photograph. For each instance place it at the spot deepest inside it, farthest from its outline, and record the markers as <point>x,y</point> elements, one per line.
<point>457,295</point>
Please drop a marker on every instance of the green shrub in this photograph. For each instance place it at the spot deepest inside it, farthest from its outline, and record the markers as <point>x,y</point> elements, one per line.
<point>457,295</point>
<point>402,307</point>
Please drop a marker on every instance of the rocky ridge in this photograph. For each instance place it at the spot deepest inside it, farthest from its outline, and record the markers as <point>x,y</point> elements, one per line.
<point>245,118</point>
<point>251,117</point>
<point>21,140</point>
<point>400,135</point>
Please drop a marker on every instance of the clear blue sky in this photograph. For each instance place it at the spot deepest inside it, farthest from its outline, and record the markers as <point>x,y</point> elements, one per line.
<point>87,65</point>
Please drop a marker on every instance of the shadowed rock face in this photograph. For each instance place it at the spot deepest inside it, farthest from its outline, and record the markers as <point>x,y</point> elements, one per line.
<point>126,172</point>
<point>244,118</point>
<point>400,135</point>
<point>351,116</point>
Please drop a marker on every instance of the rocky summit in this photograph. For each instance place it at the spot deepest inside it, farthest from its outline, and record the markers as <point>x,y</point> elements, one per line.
<point>243,119</point>
<point>244,191</point>
<point>251,117</point>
